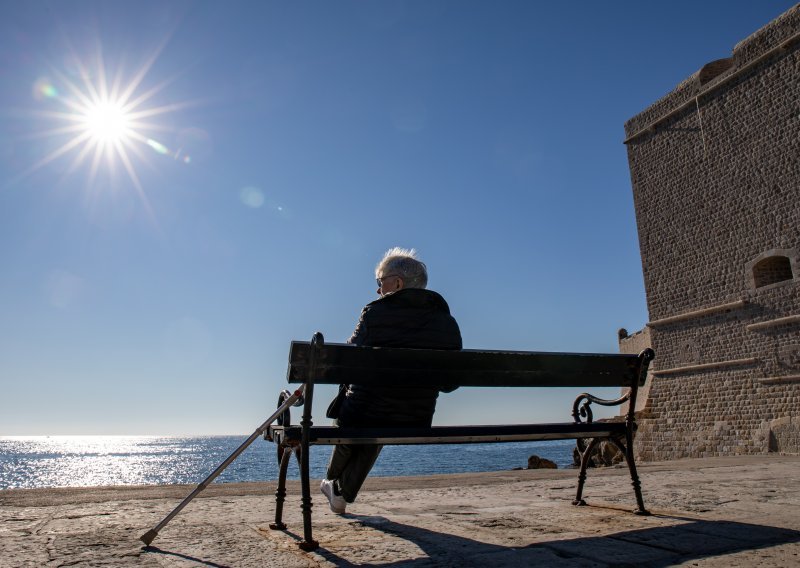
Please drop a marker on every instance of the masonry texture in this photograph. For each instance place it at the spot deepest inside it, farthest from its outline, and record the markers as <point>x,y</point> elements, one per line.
<point>715,170</point>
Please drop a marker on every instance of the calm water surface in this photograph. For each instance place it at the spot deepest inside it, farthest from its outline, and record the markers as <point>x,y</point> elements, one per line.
<point>84,461</point>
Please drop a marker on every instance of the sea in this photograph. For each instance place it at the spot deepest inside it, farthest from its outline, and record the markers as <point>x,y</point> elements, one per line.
<point>90,461</point>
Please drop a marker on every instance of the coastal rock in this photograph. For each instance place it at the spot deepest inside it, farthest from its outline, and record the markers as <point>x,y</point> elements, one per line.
<point>604,454</point>
<point>535,462</point>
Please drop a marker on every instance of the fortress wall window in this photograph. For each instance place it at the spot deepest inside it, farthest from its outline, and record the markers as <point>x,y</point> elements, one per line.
<point>772,270</point>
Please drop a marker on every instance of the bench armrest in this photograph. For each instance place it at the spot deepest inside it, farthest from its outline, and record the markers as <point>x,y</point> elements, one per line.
<point>581,408</point>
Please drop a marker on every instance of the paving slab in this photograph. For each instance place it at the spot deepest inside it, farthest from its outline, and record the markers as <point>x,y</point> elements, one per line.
<point>737,511</point>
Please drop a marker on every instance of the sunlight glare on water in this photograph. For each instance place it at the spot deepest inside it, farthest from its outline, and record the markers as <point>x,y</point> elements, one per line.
<point>91,461</point>
<point>83,461</point>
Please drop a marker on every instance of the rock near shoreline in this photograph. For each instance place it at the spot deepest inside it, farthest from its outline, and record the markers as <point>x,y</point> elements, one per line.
<point>604,454</point>
<point>535,462</point>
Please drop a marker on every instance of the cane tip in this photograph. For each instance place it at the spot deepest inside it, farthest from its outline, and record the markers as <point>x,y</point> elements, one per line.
<point>148,537</point>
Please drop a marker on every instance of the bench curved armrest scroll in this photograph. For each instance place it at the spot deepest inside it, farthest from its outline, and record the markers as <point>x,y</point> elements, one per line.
<point>581,408</point>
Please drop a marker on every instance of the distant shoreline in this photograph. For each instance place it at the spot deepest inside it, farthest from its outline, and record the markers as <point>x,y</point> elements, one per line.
<point>53,496</point>
<point>50,496</point>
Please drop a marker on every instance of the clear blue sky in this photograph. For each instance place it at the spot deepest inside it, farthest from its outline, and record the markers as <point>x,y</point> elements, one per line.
<point>278,150</point>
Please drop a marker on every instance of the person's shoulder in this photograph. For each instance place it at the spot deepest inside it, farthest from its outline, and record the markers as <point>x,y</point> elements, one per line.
<point>431,298</point>
<point>407,298</point>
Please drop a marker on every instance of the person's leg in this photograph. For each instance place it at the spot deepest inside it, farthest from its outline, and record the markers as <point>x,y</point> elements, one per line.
<point>340,456</point>
<point>349,466</point>
<point>359,464</point>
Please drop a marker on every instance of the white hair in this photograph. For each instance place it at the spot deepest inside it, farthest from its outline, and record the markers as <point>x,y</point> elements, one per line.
<point>406,265</point>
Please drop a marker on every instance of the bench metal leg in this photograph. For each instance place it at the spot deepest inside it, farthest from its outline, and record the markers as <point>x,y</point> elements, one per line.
<point>637,486</point>
<point>280,493</point>
<point>627,451</point>
<point>308,543</point>
<point>582,475</point>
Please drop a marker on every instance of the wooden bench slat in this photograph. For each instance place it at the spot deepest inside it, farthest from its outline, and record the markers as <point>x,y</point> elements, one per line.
<point>337,363</point>
<point>332,435</point>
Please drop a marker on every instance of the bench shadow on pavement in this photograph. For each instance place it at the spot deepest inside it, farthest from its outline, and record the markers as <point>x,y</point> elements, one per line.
<point>688,539</point>
<point>199,561</point>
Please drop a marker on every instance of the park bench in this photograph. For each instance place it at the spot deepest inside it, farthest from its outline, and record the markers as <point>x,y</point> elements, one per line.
<point>315,362</point>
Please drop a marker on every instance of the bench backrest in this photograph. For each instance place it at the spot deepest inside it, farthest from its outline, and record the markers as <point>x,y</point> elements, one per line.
<point>335,363</point>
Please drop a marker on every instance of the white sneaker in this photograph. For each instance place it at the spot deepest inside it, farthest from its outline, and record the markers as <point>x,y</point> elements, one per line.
<point>338,504</point>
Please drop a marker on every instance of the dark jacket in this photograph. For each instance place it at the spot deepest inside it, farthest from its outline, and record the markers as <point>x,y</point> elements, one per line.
<point>412,318</point>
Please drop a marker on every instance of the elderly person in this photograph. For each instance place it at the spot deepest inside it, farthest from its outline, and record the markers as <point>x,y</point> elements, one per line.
<point>405,315</point>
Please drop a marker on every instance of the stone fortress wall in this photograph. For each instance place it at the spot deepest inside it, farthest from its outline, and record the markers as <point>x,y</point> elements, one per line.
<point>715,170</point>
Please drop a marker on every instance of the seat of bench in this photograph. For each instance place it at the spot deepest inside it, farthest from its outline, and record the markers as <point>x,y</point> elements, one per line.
<point>331,435</point>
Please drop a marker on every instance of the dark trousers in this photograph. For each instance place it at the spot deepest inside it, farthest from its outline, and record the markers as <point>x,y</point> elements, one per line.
<point>350,465</point>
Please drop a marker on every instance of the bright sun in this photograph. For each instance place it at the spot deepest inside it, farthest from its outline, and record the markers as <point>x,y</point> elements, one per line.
<point>107,122</point>
<point>104,119</point>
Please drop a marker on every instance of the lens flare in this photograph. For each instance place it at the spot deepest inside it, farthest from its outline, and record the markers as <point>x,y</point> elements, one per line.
<point>252,197</point>
<point>158,147</point>
<point>44,89</point>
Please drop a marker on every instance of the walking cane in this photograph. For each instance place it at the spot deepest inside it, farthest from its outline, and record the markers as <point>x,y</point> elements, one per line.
<point>148,537</point>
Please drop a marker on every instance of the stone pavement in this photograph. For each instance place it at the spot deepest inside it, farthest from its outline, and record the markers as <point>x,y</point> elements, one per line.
<point>737,511</point>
